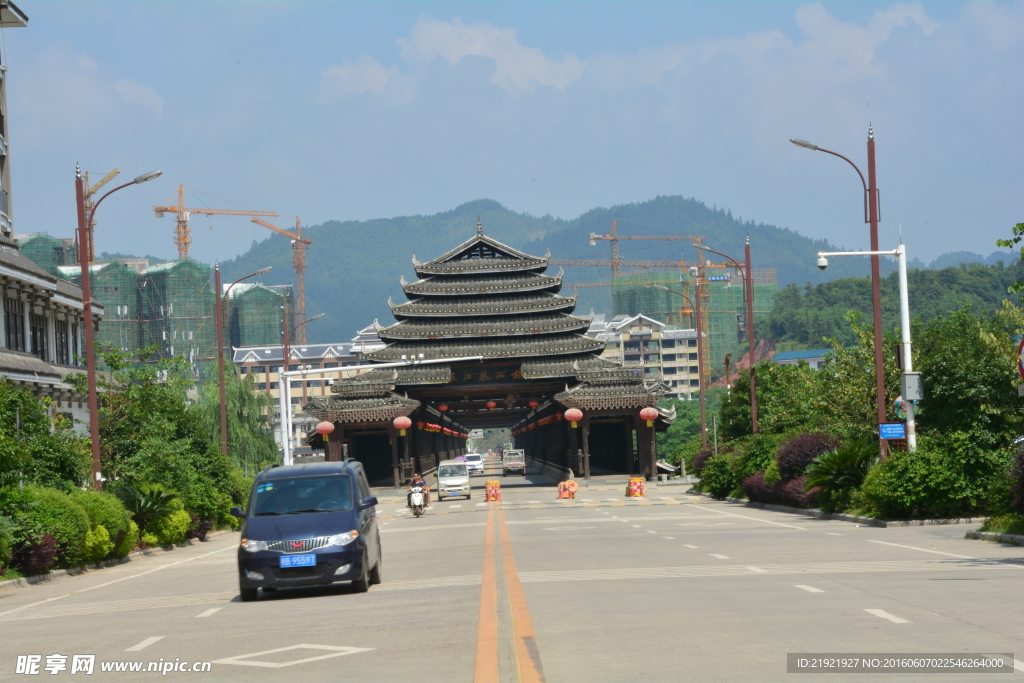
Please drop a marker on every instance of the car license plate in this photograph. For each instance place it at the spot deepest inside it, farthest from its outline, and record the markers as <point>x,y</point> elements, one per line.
<point>298,560</point>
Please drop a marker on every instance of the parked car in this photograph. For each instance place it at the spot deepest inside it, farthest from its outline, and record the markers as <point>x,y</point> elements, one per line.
<point>513,461</point>
<point>309,525</point>
<point>475,463</point>
<point>452,479</point>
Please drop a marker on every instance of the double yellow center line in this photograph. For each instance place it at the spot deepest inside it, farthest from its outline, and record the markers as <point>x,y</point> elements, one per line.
<point>528,664</point>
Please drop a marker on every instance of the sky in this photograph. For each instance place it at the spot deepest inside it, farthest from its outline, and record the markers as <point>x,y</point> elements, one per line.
<point>359,110</point>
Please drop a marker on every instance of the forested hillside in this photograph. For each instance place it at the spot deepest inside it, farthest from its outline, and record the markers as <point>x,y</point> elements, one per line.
<point>803,316</point>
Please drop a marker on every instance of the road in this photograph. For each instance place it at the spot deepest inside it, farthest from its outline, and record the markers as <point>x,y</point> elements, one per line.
<point>669,588</point>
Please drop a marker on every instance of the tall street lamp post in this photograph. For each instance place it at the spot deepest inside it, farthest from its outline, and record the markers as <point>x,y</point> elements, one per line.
<point>872,215</point>
<point>286,410</point>
<point>90,353</point>
<point>219,312</point>
<point>700,364</point>
<point>748,291</point>
<point>910,380</point>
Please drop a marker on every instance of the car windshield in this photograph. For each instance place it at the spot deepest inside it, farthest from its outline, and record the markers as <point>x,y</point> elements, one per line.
<point>327,493</point>
<point>473,458</point>
<point>451,470</point>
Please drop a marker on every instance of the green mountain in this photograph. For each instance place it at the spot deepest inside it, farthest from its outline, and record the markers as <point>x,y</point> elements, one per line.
<point>354,266</point>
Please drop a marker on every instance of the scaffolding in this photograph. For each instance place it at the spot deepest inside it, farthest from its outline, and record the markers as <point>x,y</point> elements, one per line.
<point>114,287</point>
<point>255,312</point>
<point>176,305</point>
<point>48,252</point>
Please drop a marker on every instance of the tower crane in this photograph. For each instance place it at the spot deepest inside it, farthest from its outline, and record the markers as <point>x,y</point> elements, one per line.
<point>182,235</point>
<point>614,238</point>
<point>89,193</point>
<point>299,244</point>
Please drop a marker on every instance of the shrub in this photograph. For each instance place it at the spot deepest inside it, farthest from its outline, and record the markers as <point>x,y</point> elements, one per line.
<point>1005,524</point>
<point>797,453</point>
<point>97,545</point>
<point>64,519</point>
<point>7,531</point>
<point>1017,481</point>
<point>147,505</point>
<point>199,528</point>
<point>700,460</point>
<point>104,510</point>
<point>947,478</point>
<point>839,474</point>
<point>35,557</point>
<point>717,476</point>
<point>754,454</point>
<point>128,541</point>
<point>169,529</point>
<point>780,492</point>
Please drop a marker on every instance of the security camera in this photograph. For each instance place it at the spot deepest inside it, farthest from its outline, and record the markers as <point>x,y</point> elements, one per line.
<point>822,263</point>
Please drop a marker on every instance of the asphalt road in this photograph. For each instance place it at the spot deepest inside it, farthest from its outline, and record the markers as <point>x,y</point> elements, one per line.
<point>670,588</point>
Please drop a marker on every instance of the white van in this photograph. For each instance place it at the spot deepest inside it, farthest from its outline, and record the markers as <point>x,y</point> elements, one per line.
<point>452,479</point>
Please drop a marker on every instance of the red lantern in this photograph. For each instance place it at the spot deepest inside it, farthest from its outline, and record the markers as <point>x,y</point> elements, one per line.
<point>401,424</point>
<point>649,414</point>
<point>534,404</point>
<point>574,415</point>
<point>491,405</point>
<point>443,407</point>
<point>324,429</point>
<point>558,416</point>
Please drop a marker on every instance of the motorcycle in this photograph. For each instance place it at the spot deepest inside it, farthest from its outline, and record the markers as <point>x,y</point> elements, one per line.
<point>417,500</point>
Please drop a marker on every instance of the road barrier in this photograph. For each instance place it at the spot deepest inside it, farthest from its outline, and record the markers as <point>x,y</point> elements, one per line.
<point>567,489</point>
<point>635,488</point>
<point>492,490</point>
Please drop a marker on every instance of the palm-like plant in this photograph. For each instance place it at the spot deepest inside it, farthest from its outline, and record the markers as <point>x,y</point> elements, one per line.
<point>842,468</point>
<point>146,506</point>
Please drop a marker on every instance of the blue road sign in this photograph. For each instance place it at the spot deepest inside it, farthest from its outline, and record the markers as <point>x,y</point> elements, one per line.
<point>892,430</point>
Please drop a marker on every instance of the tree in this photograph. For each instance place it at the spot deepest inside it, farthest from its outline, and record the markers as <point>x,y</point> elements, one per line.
<point>251,442</point>
<point>1018,235</point>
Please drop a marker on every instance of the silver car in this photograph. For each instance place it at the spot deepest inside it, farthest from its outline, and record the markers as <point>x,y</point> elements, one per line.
<point>475,462</point>
<point>452,479</point>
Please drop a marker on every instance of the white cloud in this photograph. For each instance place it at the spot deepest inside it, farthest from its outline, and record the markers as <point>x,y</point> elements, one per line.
<point>87,62</point>
<point>134,92</point>
<point>352,77</point>
<point>517,67</point>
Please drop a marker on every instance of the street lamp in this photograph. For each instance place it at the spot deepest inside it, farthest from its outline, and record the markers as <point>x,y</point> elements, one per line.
<point>748,287</point>
<point>871,216</point>
<point>909,384</point>
<point>90,354</point>
<point>219,312</point>
<point>286,410</point>
<point>700,364</point>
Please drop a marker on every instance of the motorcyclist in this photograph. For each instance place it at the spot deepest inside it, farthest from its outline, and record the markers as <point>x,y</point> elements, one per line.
<point>417,480</point>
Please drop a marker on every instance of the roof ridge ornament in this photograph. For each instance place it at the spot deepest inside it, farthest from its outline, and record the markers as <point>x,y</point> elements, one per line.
<point>401,280</point>
<point>479,226</point>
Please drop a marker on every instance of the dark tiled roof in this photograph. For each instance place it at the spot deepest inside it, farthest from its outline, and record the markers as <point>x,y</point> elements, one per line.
<point>489,305</point>
<point>26,363</point>
<point>491,348</point>
<point>487,327</point>
<point>476,285</point>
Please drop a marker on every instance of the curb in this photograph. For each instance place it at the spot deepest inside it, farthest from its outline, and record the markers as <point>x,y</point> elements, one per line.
<point>870,521</point>
<point>26,581</point>
<point>991,536</point>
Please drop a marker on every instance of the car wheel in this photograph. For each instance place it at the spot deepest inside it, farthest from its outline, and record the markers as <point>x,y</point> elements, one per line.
<point>247,594</point>
<point>469,496</point>
<point>375,573</point>
<point>362,584</point>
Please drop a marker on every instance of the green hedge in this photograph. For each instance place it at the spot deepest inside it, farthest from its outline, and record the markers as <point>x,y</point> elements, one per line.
<point>107,511</point>
<point>64,519</point>
<point>169,529</point>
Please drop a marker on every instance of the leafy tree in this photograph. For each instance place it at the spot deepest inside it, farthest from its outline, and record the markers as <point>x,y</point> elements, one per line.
<point>1018,235</point>
<point>251,442</point>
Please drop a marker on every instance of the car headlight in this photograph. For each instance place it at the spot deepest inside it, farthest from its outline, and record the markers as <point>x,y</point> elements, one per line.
<point>343,539</point>
<point>253,546</point>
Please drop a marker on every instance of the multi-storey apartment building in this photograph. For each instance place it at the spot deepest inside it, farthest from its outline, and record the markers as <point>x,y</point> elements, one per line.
<point>665,351</point>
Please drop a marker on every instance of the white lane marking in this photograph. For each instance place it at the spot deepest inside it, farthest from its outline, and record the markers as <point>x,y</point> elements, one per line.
<point>481,505</point>
<point>335,651</point>
<point>832,534</point>
<point>809,589</point>
<point>733,514</point>
<point>703,524</point>
<point>568,528</point>
<point>758,570</point>
<point>144,644</point>
<point>721,557</point>
<point>457,505</point>
<point>923,550</point>
<point>669,538</point>
<point>123,578</point>
<point>636,526</point>
<point>651,532</point>
<point>1018,665</point>
<point>533,502</point>
<point>418,527</point>
<point>891,617</point>
<point>209,612</point>
<point>690,546</point>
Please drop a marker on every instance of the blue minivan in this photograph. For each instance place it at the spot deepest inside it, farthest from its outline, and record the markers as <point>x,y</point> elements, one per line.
<point>309,525</point>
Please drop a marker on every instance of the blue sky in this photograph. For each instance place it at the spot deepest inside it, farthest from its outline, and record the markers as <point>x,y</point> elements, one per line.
<point>353,110</point>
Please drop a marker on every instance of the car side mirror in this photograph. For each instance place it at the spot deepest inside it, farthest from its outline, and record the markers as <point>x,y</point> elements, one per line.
<point>368,502</point>
<point>238,512</point>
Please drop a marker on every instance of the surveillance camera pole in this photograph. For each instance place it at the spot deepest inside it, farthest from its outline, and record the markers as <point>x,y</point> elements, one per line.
<point>900,252</point>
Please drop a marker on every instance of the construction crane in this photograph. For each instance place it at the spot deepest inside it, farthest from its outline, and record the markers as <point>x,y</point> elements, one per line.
<point>182,235</point>
<point>89,192</point>
<point>614,238</point>
<point>299,244</point>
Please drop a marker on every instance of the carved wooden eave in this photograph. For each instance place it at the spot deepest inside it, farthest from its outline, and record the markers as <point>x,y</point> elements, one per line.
<point>360,410</point>
<point>512,326</point>
<point>559,344</point>
<point>483,306</point>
